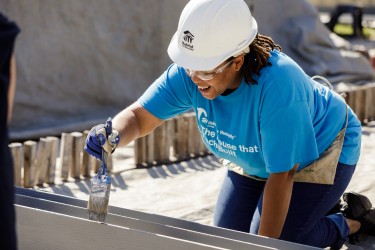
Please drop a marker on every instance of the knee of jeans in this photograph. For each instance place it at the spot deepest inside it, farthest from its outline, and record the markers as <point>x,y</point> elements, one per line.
<point>301,236</point>
<point>312,239</point>
<point>316,241</point>
<point>308,239</point>
<point>291,236</point>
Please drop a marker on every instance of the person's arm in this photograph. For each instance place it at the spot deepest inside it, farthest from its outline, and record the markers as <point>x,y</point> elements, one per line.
<point>276,200</point>
<point>133,122</point>
<point>12,87</point>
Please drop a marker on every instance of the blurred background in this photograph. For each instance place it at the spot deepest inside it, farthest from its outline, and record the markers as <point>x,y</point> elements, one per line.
<point>79,62</point>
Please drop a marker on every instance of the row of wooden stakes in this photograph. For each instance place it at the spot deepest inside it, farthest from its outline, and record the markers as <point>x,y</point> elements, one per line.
<point>362,101</point>
<point>177,139</point>
<point>39,162</point>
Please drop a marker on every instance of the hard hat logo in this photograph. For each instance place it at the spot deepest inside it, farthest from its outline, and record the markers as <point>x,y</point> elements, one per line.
<point>188,40</point>
<point>188,36</point>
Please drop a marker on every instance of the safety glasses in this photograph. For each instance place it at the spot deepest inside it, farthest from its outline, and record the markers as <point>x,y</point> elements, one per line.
<point>207,75</point>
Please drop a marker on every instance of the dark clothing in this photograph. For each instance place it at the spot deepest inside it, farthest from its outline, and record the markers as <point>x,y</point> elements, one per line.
<point>239,208</point>
<point>8,33</point>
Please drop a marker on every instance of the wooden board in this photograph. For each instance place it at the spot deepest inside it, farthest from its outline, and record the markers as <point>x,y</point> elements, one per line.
<point>157,224</point>
<point>136,224</point>
<point>39,229</point>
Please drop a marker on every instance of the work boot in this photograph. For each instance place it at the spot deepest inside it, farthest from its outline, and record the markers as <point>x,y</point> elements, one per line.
<point>368,223</point>
<point>358,207</point>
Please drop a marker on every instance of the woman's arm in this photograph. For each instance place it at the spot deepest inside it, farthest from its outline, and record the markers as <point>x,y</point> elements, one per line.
<point>276,200</point>
<point>133,122</point>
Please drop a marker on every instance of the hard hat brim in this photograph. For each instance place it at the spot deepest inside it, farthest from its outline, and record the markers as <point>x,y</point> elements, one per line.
<point>189,61</point>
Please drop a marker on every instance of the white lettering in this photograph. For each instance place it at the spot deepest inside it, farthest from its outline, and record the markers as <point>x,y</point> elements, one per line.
<point>227,134</point>
<point>188,46</point>
<point>221,149</point>
<point>211,124</point>
<point>248,149</point>
<point>207,132</point>
<point>227,145</point>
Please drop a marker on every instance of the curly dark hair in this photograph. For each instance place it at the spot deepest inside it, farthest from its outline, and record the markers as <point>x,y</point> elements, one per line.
<point>258,56</point>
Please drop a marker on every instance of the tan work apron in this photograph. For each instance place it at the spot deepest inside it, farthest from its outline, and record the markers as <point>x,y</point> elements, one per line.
<point>323,169</point>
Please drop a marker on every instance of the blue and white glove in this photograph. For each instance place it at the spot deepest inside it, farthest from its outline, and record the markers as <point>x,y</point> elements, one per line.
<point>101,137</point>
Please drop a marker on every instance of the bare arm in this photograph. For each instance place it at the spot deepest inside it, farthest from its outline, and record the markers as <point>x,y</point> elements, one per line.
<point>276,200</point>
<point>12,87</point>
<point>133,122</point>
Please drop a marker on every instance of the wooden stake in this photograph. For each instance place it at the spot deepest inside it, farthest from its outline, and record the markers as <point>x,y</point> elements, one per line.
<point>53,143</point>
<point>160,154</point>
<point>359,104</point>
<point>86,159</point>
<point>150,149</point>
<point>196,144</point>
<point>29,163</point>
<point>369,104</point>
<point>169,140</point>
<point>181,140</point>
<point>66,155</point>
<point>75,167</point>
<point>140,151</point>
<point>17,154</point>
<point>43,154</point>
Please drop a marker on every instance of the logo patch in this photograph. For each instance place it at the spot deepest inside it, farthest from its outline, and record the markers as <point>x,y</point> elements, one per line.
<point>188,40</point>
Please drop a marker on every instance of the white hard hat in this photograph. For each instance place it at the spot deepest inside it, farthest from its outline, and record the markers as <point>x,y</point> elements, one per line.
<point>211,31</point>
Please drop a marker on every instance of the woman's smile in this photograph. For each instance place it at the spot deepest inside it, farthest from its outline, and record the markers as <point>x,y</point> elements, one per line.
<point>204,89</point>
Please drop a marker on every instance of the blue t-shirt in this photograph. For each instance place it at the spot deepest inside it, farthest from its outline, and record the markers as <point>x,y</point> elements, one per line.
<point>268,127</point>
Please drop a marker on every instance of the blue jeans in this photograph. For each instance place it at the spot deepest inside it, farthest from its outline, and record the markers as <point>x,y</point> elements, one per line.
<point>239,208</point>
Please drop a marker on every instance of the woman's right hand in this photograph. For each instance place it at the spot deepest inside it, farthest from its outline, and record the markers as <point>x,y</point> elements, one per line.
<point>100,137</point>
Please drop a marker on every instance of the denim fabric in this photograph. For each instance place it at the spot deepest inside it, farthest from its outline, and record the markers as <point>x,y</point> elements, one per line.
<point>239,208</point>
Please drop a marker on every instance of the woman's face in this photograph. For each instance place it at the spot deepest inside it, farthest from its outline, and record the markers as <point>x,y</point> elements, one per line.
<point>229,78</point>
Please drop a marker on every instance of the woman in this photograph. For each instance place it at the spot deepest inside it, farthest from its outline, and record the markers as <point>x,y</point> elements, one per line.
<point>276,128</point>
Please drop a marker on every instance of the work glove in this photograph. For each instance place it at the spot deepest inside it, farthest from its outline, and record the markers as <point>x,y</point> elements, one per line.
<point>101,137</point>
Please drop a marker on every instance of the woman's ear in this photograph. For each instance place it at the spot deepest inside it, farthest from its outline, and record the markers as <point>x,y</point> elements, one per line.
<point>238,62</point>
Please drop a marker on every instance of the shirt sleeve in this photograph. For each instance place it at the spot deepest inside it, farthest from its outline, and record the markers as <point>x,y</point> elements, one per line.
<point>169,95</point>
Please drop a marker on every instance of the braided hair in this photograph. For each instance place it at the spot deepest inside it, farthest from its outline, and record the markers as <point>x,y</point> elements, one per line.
<point>258,56</point>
